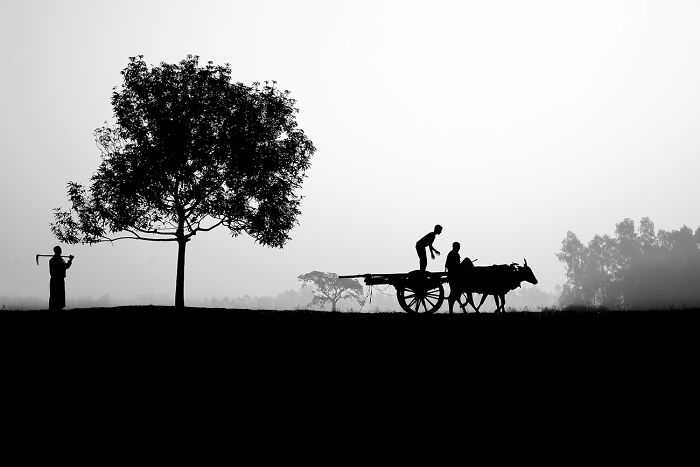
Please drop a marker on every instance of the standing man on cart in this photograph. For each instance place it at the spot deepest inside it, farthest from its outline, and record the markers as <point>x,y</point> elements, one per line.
<point>427,242</point>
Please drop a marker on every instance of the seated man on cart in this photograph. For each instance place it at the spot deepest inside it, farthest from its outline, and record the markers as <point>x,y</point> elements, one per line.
<point>458,277</point>
<point>452,267</point>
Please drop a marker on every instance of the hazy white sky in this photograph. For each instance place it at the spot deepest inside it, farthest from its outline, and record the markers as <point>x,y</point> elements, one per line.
<point>507,122</point>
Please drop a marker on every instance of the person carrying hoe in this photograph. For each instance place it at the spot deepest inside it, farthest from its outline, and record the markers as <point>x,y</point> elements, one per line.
<point>57,269</point>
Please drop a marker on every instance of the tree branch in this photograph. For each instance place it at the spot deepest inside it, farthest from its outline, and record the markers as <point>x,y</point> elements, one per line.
<point>189,210</point>
<point>189,226</point>
<point>138,237</point>
<point>200,229</point>
<point>154,232</point>
<point>144,239</point>
<point>108,239</point>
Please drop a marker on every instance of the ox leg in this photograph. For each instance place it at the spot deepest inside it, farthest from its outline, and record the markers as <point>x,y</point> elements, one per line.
<point>455,296</point>
<point>503,302</point>
<point>459,300</point>
<point>498,306</point>
<point>483,299</point>
<point>470,301</point>
<point>463,306</point>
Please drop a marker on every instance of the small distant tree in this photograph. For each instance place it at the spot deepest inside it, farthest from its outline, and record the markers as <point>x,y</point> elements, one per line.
<point>191,150</point>
<point>329,288</point>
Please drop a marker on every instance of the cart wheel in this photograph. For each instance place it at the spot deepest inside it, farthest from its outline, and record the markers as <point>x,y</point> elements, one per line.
<point>419,297</point>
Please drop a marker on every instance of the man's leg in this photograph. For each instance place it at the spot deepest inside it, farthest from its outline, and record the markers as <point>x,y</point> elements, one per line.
<point>53,294</point>
<point>423,258</point>
<point>454,296</point>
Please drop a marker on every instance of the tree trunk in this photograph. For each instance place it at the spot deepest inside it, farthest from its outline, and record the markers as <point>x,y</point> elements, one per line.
<point>180,278</point>
<point>333,308</point>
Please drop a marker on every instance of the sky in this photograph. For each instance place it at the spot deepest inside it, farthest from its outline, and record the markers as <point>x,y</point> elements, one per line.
<point>507,122</point>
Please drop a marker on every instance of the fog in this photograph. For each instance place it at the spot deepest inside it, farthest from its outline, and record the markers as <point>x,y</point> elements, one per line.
<point>377,300</point>
<point>637,267</point>
<point>509,123</point>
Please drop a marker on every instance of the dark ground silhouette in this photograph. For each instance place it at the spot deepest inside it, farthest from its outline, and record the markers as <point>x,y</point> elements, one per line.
<point>211,325</point>
<point>141,356</point>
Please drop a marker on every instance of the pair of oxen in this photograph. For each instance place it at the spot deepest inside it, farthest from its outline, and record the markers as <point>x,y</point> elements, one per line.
<point>496,280</point>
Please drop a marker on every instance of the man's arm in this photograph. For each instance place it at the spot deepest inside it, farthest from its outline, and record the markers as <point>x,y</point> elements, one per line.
<point>70,261</point>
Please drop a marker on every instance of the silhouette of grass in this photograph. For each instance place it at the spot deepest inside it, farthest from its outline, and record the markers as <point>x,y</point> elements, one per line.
<point>241,346</point>
<point>219,321</point>
<point>324,314</point>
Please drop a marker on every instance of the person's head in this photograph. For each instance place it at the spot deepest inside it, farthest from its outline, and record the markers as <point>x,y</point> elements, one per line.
<point>57,250</point>
<point>438,229</point>
<point>455,246</point>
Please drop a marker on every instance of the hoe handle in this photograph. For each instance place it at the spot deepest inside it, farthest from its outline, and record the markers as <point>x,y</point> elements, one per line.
<point>37,258</point>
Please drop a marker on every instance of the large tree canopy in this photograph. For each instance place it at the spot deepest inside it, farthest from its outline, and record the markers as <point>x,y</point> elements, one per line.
<point>190,151</point>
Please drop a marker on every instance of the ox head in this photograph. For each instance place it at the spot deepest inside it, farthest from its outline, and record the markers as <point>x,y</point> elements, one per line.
<point>526,273</point>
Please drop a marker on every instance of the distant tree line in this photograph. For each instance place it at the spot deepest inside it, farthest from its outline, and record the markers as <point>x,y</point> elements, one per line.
<point>636,269</point>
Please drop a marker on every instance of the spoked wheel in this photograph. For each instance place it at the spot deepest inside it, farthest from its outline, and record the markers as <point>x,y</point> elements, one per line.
<point>420,295</point>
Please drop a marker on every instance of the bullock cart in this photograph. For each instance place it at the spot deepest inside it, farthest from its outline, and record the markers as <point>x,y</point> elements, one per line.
<point>416,291</point>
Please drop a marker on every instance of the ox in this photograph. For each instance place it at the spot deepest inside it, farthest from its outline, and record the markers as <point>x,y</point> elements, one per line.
<point>496,280</point>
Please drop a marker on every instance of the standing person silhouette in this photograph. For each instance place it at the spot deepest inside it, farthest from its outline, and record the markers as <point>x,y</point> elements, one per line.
<point>57,286</point>
<point>452,266</point>
<point>427,242</point>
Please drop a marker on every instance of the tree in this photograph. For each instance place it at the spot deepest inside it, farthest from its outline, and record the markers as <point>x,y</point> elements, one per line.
<point>573,254</point>
<point>190,151</point>
<point>329,288</point>
<point>599,269</point>
<point>635,269</point>
<point>647,236</point>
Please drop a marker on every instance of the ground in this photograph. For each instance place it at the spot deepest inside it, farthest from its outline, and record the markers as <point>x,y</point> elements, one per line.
<point>211,326</point>
<point>157,358</point>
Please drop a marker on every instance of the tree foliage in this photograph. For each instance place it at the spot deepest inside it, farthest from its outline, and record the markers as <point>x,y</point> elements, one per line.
<point>190,151</point>
<point>637,268</point>
<point>329,288</point>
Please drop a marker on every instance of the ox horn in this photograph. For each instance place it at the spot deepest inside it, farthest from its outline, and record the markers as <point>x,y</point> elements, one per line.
<point>525,261</point>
